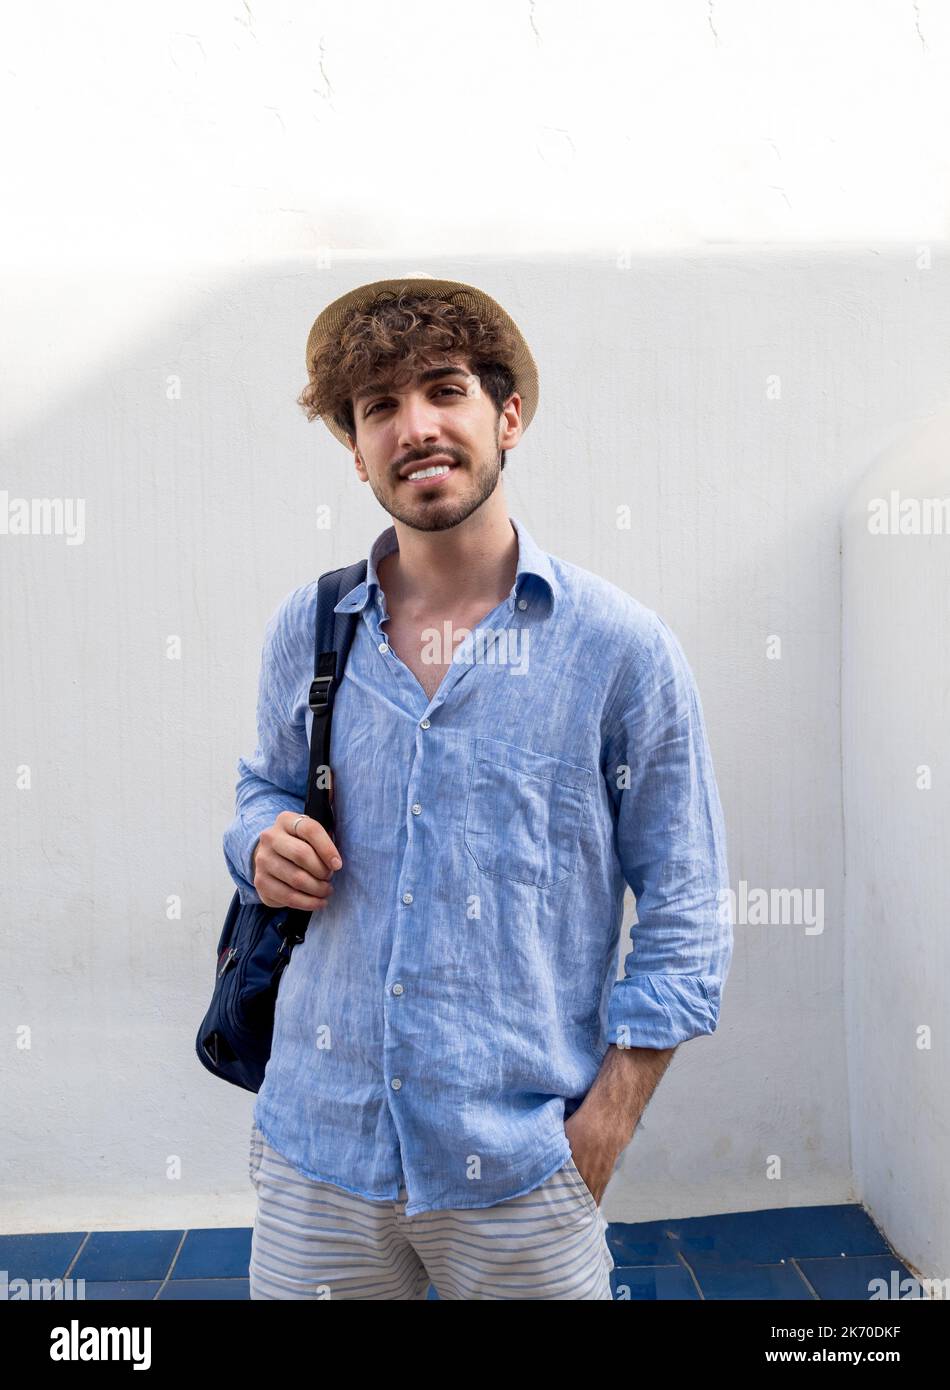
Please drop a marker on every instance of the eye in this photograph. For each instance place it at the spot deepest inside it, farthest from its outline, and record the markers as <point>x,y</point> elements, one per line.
<point>455,390</point>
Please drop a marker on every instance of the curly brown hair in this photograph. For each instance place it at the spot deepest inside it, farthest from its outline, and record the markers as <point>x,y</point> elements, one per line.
<point>396,336</point>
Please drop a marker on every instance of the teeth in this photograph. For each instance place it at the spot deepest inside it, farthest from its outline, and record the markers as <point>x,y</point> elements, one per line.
<point>434,472</point>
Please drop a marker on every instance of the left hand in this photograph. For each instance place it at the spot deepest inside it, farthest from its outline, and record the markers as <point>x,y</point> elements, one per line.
<point>596,1145</point>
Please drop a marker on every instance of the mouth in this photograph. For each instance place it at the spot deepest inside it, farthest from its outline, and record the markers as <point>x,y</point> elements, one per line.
<point>433,472</point>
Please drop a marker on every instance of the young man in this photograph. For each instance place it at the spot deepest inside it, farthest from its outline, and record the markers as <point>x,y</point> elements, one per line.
<point>455,1069</point>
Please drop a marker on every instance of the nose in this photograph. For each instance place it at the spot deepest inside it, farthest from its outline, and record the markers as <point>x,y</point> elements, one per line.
<point>417,421</point>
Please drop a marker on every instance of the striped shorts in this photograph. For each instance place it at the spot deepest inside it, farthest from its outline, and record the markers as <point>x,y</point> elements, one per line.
<point>315,1240</point>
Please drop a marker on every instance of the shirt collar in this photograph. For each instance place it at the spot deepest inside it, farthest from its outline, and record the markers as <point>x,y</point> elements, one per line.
<point>533,565</point>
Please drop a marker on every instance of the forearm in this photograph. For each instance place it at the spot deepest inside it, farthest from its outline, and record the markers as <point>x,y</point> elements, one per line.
<point>622,1088</point>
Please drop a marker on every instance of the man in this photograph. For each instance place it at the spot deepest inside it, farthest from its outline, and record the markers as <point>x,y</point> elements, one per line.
<point>455,1069</point>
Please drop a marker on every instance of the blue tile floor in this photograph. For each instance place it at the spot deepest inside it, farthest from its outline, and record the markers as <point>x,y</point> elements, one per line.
<point>808,1253</point>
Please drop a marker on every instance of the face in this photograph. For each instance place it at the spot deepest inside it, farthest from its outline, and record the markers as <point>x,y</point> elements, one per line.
<point>441,418</point>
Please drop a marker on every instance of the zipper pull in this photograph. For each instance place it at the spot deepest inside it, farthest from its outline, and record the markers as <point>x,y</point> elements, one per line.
<point>228,960</point>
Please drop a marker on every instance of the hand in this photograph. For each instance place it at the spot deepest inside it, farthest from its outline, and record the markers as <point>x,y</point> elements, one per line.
<point>294,870</point>
<point>596,1146</point>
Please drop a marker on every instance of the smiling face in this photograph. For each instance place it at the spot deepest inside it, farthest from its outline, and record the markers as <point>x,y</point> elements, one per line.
<point>441,418</point>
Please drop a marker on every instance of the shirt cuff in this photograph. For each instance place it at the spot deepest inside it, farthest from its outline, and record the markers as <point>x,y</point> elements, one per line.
<point>661,1011</point>
<point>239,840</point>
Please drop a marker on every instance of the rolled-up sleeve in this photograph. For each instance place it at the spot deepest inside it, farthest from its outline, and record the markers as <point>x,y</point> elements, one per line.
<point>670,842</point>
<point>275,778</point>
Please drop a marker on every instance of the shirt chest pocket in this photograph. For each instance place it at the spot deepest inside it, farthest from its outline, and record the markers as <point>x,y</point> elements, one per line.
<point>523,814</point>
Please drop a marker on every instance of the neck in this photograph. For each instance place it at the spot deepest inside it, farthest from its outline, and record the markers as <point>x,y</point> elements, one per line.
<point>435,571</point>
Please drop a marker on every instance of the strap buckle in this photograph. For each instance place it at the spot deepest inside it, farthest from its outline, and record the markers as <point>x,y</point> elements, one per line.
<point>320,692</point>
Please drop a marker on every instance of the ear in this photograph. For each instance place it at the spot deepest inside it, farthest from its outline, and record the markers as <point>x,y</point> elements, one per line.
<point>358,461</point>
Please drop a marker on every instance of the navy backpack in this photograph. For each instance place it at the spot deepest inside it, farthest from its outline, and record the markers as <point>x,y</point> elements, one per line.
<point>234,1040</point>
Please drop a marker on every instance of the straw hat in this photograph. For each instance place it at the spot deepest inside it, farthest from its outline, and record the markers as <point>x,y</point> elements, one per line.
<point>330,321</point>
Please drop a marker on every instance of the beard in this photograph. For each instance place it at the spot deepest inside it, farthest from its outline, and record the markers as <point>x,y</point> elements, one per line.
<point>470,485</point>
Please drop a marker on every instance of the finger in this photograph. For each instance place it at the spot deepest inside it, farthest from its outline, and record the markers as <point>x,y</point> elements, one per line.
<point>307,831</point>
<point>293,850</point>
<point>301,880</point>
<point>273,893</point>
<point>313,833</point>
<point>299,847</point>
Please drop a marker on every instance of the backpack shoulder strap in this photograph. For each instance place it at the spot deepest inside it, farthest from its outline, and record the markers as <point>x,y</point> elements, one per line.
<point>334,631</point>
<point>333,638</point>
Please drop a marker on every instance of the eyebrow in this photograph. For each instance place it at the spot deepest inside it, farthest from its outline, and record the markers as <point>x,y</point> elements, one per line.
<point>430,374</point>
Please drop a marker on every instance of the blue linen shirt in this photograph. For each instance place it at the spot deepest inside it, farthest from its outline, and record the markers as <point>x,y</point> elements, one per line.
<point>453,1003</point>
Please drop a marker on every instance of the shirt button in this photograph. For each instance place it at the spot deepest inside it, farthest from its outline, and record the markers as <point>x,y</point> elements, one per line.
<point>423,723</point>
<point>395,1083</point>
<point>397,989</point>
<point>416,809</point>
<point>522,603</point>
<point>407,897</point>
<point>384,646</point>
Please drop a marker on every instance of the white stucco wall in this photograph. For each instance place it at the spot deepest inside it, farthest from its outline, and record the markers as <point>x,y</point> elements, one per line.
<point>737,299</point>
<point>896,741</point>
